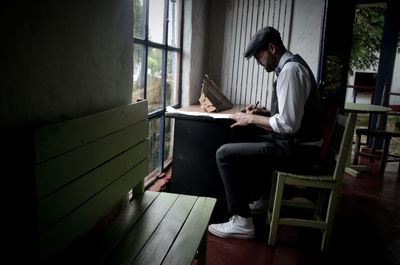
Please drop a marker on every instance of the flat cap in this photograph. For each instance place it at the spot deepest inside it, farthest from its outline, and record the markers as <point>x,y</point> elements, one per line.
<point>261,39</point>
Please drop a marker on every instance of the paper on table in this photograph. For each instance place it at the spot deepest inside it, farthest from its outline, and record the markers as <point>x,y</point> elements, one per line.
<point>198,113</point>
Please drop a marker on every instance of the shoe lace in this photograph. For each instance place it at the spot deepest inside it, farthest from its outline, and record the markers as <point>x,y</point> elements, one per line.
<point>231,221</point>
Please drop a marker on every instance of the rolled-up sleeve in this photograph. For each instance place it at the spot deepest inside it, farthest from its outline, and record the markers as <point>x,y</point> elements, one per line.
<point>293,88</point>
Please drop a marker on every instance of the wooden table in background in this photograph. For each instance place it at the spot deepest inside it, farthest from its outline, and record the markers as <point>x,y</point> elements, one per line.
<point>354,170</point>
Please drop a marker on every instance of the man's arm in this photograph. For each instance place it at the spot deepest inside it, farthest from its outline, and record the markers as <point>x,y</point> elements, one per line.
<point>293,88</point>
<point>244,119</point>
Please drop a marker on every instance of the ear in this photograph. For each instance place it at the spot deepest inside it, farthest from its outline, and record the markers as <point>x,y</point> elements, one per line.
<point>272,48</point>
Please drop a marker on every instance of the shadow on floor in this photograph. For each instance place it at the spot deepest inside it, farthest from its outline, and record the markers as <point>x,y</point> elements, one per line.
<point>366,231</point>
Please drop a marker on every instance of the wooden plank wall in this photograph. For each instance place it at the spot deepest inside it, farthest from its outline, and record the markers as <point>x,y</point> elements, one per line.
<point>85,167</point>
<point>243,81</point>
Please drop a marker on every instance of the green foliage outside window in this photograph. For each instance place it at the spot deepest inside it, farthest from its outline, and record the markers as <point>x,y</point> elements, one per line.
<point>367,37</point>
<point>153,65</point>
<point>138,19</point>
<point>333,76</point>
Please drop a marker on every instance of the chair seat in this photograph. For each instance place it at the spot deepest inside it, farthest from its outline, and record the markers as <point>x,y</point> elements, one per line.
<point>394,113</point>
<point>318,181</point>
<point>377,133</point>
<point>327,178</point>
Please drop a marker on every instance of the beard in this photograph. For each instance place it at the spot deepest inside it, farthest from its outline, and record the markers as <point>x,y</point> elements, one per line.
<point>269,68</point>
<point>271,63</point>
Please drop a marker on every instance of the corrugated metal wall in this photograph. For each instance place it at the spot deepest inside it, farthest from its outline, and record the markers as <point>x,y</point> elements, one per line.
<point>243,81</point>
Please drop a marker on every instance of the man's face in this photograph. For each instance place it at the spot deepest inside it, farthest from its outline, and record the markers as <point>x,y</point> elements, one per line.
<point>266,59</point>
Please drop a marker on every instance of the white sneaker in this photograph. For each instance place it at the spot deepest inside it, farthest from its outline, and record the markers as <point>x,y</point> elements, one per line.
<point>259,206</point>
<point>237,227</point>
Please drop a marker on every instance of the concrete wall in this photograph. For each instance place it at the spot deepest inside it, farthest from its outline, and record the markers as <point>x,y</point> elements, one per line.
<point>65,59</point>
<point>214,43</point>
<point>395,100</point>
<point>194,42</point>
<point>204,29</point>
<point>60,59</point>
<point>306,30</point>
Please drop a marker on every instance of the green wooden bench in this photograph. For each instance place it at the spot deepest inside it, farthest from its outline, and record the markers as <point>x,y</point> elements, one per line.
<point>85,169</point>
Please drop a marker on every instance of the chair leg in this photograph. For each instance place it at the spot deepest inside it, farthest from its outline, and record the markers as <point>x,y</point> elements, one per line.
<point>273,226</point>
<point>384,155</point>
<point>320,204</point>
<point>330,215</point>
<point>357,149</point>
<point>373,149</point>
<point>271,198</point>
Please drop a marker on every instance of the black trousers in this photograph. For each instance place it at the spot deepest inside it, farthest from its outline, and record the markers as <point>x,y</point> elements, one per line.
<point>246,168</point>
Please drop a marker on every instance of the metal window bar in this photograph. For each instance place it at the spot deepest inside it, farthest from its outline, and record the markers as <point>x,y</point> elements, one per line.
<point>160,113</point>
<point>163,85</point>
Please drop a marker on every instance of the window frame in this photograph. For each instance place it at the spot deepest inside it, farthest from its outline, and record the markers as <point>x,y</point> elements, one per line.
<point>165,48</point>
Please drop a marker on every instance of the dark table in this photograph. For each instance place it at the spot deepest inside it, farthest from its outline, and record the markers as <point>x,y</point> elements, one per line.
<point>196,139</point>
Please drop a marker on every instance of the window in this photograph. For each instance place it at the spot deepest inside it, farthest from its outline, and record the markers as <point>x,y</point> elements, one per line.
<point>157,37</point>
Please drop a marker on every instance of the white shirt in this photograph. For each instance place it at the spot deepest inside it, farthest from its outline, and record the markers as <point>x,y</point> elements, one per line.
<point>292,88</point>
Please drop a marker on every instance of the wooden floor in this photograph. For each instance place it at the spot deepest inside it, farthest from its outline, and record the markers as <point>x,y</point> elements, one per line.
<point>366,231</point>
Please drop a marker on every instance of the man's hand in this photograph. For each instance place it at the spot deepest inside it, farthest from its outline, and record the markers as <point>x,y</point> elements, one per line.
<point>258,111</point>
<point>250,108</point>
<point>242,119</point>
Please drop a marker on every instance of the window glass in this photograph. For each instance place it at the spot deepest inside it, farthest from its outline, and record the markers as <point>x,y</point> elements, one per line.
<point>154,144</point>
<point>138,19</point>
<point>174,26</point>
<point>156,18</point>
<point>173,73</point>
<point>168,138</point>
<point>138,76</point>
<point>154,69</point>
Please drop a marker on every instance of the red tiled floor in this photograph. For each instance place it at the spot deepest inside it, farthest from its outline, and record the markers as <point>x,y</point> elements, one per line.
<point>366,231</point>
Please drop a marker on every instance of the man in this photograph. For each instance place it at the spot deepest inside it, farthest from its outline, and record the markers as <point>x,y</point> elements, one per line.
<point>292,140</point>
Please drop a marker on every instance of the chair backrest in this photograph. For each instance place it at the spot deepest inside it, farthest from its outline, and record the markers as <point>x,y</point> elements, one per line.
<point>329,116</point>
<point>84,168</point>
<point>384,102</point>
<point>341,142</point>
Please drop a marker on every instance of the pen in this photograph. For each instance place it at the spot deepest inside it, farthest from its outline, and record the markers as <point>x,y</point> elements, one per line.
<point>256,105</point>
<point>244,110</point>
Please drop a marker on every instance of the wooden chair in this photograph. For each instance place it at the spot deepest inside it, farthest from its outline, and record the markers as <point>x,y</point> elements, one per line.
<point>375,134</point>
<point>327,186</point>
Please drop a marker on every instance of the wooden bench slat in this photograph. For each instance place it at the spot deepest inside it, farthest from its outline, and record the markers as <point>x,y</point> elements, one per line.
<point>159,243</point>
<point>63,233</point>
<point>61,137</point>
<point>185,245</point>
<point>96,245</point>
<point>130,246</point>
<point>57,172</point>
<point>59,204</point>
<point>121,227</point>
